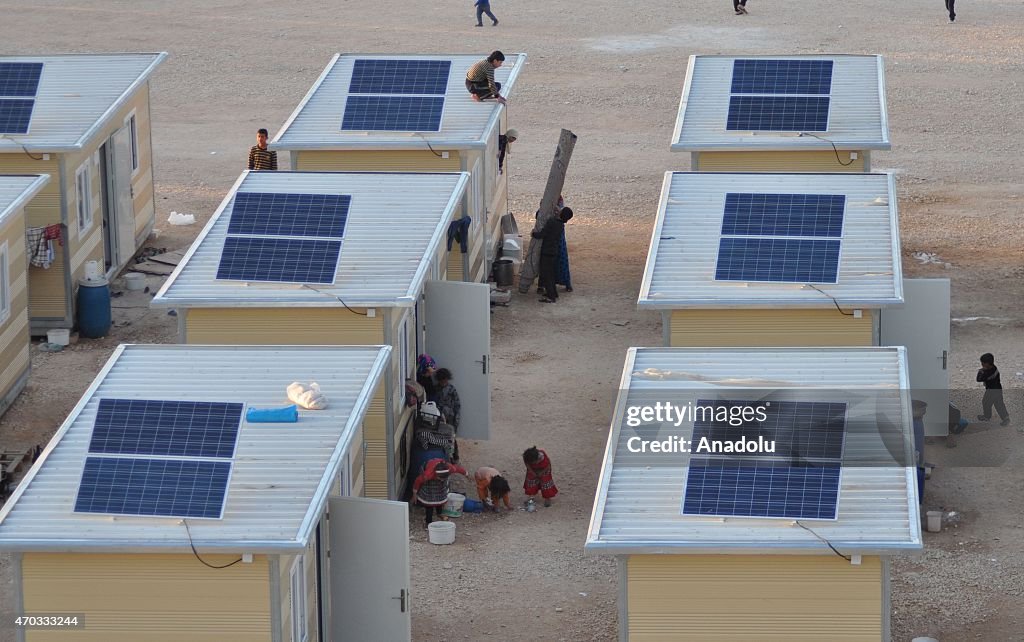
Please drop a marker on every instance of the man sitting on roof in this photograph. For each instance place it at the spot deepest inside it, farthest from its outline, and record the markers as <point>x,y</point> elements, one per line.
<point>480,81</point>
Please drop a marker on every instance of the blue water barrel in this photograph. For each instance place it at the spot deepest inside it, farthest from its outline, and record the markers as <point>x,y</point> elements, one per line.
<point>93,308</point>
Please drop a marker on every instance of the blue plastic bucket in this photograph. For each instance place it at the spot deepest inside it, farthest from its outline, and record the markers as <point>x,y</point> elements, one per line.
<point>93,308</point>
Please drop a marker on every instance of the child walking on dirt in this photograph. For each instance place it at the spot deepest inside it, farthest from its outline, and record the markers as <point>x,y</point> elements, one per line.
<point>538,475</point>
<point>989,375</point>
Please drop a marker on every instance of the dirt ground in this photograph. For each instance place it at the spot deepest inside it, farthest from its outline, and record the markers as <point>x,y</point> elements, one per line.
<point>612,72</point>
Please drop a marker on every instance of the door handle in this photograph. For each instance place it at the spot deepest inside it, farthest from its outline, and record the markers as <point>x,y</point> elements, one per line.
<point>402,597</point>
<point>483,360</point>
<point>944,357</point>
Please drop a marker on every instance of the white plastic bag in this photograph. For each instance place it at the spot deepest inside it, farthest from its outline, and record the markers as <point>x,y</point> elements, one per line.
<point>309,397</point>
<point>181,219</point>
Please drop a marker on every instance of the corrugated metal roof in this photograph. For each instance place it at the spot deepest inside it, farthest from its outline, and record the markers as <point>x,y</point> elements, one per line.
<point>77,94</point>
<point>637,509</point>
<point>316,122</point>
<point>17,191</point>
<point>683,254</point>
<point>857,114</point>
<point>282,472</point>
<point>396,222</point>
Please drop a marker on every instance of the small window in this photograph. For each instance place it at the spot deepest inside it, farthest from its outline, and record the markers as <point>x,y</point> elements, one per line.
<point>83,192</point>
<point>132,126</point>
<point>298,581</point>
<point>5,284</point>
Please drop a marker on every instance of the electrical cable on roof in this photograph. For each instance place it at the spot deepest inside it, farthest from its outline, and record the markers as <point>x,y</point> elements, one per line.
<point>834,302</point>
<point>23,148</point>
<point>428,144</point>
<point>833,148</point>
<point>362,314</point>
<point>196,553</point>
<point>828,543</point>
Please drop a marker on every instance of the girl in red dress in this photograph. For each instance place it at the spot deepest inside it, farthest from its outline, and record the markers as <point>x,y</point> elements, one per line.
<point>538,475</point>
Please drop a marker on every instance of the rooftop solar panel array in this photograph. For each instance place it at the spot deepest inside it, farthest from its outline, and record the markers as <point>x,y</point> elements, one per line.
<point>780,95</point>
<point>266,214</point>
<point>777,260</point>
<point>19,82</point>
<point>279,260</point>
<point>799,480</point>
<point>159,458</point>
<point>396,95</point>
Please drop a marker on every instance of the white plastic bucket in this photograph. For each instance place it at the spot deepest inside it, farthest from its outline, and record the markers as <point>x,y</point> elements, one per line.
<point>934,521</point>
<point>454,506</point>
<point>441,533</point>
<point>134,281</point>
<point>60,336</point>
<point>92,270</point>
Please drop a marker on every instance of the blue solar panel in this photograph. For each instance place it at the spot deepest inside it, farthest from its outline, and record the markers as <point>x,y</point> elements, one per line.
<point>279,260</point>
<point>721,487</point>
<point>801,430</point>
<point>393,113</point>
<point>153,487</point>
<point>400,77</point>
<point>171,428</point>
<point>778,113</point>
<point>778,260</point>
<point>784,214</point>
<point>782,77</point>
<point>15,115</point>
<point>319,215</point>
<point>20,79</point>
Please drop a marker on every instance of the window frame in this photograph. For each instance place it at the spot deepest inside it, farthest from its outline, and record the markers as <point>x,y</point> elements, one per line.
<point>131,121</point>
<point>6,300</point>
<point>297,587</point>
<point>83,198</point>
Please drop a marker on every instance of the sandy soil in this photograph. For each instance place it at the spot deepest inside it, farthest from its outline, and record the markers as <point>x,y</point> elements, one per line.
<point>611,72</point>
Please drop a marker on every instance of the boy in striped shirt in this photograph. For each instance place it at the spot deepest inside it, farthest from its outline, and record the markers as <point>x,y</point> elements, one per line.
<point>480,81</point>
<point>259,156</point>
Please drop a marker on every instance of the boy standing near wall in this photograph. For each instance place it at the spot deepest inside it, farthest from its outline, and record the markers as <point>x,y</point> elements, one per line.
<point>989,375</point>
<point>259,156</point>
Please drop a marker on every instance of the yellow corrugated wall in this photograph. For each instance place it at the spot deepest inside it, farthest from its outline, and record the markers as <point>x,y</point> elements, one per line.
<point>375,472</point>
<point>768,598</point>
<point>286,594</point>
<point>144,198</point>
<point>769,328</point>
<point>283,326</point>
<point>411,160</point>
<point>454,272</point>
<point>14,335</point>
<point>46,287</point>
<point>149,598</point>
<point>795,161</point>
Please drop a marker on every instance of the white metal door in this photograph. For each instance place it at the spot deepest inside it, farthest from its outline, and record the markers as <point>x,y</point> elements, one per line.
<point>922,326</point>
<point>368,544</point>
<point>124,208</point>
<point>458,337</point>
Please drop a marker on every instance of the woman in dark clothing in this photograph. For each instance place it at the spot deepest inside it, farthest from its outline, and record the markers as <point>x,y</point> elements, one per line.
<point>551,236</point>
<point>425,369</point>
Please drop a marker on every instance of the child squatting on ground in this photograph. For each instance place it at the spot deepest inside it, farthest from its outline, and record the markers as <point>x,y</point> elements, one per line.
<point>989,375</point>
<point>492,488</point>
<point>538,475</point>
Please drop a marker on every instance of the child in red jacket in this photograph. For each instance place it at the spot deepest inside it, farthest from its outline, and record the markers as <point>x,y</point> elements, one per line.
<point>538,475</point>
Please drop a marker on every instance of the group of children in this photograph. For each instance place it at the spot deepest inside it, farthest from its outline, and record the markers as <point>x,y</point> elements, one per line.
<point>431,487</point>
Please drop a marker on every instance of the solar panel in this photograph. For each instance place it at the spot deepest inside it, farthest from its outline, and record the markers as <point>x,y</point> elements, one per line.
<point>721,487</point>
<point>20,79</point>
<point>782,77</point>
<point>15,115</point>
<point>801,430</point>
<point>400,77</point>
<point>153,487</point>
<point>393,113</point>
<point>170,428</point>
<point>784,214</point>
<point>279,260</point>
<point>784,260</point>
<point>778,113</point>
<point>319,215</point>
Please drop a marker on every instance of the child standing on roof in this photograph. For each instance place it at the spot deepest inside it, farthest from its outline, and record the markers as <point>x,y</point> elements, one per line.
<point>538,475</point>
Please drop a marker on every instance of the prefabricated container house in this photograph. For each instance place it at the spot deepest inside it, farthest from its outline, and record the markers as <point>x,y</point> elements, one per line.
<point>158,511</point>
<point>84,119</point>
<point>16,192</point>
<point>411,113</point>
<point>266,270</point>
<point>760,259</point>
<point>792,545</point>
<point>807,113</point>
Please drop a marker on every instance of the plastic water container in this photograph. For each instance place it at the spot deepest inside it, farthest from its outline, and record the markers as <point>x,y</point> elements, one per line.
<point>60,336</point>
<point>93,308</point>
<point>472,506</point>
<point>135,281</point>
<point>504,273</point>
<point>454,506</point>
<point>441,533</point>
